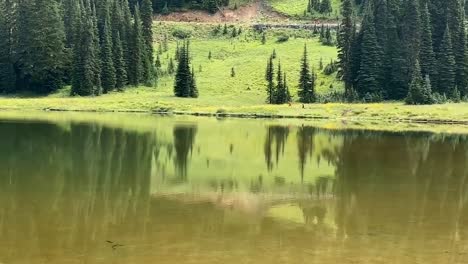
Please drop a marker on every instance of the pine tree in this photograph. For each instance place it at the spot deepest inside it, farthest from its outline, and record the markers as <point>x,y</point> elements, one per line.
<point>411,35</point>
<point>108,73</point>
<point>193,85</point>
<point>127,40</point>
<point>395,68</point>
<point>325,7</point>
<point>96,50</point>
<point>234,32</point>
<point>233,72</point>
<point>118,43</point>
<point>286,87</point>
<point>177,52</point>
<point>137,52</point>
<point>269,76</point>
<point>119,62</point>
<point>147,38</point>
<point>147,26</point>
<point>456,23</point>
<point>281,93</point>
<point>315,5</point>
<point>446,63</point>
<point>40,45</point>
<point>306,86</point>
<point>170,66</point>
<point>370,59</point>
<point>165,43</point>
<point>419,90</point>
<point>426,53</point>
<point>7,74</point>
<point>158,66</point>
<point>86,70</point>
<point>279,89</point>
<point>183,74</point>
<point>345,38</point>
<point>185,83</point>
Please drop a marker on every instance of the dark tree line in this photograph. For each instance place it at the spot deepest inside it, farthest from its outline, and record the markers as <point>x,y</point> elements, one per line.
<point>94,45</point>
<point>380,53</point>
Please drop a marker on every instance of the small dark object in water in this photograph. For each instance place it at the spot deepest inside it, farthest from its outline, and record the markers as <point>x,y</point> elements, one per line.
<point>114,247</point>
<point>110,242</point>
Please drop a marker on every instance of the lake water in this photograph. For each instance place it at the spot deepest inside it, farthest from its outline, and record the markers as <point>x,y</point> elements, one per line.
<point>147,189</point>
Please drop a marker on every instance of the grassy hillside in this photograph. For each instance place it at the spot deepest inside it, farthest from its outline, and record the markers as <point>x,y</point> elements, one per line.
<point>296,8</point>
<point>248,56</point>
<point>245,93</point>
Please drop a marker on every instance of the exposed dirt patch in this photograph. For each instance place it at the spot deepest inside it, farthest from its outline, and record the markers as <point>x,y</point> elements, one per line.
<point>256,11</point>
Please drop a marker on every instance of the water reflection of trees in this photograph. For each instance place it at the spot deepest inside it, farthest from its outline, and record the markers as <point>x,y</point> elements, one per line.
<point>72,188</point>
<point>69,189</point>
<point>417,184</point>
<point>277,135</point>
<point>184,138</point>
<point>305,135</point>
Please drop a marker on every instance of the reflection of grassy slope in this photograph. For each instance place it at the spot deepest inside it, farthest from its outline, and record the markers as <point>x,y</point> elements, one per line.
<point>296,8</point>
<point>247,161</point>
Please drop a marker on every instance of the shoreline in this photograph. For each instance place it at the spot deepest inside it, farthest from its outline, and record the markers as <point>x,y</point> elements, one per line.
<point>144,120</point>
<point>260,115</point>
<point>270,116</point>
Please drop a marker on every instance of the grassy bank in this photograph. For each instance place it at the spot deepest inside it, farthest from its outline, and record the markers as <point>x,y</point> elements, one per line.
<point>154,100</point>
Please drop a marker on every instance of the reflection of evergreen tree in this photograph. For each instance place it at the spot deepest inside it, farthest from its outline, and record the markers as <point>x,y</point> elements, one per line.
<point>404,177</point>
<point>94,178</point>
<point>305,135</point>
<point>277,135</point>
<point>184,138</point>
<point>267,150</point>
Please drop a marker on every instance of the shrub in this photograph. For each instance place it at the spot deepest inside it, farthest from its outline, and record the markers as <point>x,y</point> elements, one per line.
<point>182,33</point>
<point>331,68</point>
<point>331,97</point>
<point>439,98</point>
<point>282,38</point>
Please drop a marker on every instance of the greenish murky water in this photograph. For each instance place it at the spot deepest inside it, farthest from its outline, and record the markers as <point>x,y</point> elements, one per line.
<point>144,189</point>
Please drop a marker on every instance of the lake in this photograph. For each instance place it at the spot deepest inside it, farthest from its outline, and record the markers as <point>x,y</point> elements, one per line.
<point>90,188</point>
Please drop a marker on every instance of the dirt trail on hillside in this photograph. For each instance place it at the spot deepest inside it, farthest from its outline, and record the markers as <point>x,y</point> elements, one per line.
<point>256,11</point>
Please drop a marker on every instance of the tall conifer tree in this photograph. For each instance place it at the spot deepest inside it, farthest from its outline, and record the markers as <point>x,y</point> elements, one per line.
<point>306,85</point>
<point>269,76</point>
<point>447,67</point>
<point>7,74</point>
<point>345,38</point>
<point>426,55</point>
<point>108,73</point>
<point>368,79</point>
<point>136,51</point>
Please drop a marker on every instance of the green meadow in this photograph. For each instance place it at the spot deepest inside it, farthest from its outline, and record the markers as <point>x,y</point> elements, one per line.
<point>245,93</point>
<point>296,8</point>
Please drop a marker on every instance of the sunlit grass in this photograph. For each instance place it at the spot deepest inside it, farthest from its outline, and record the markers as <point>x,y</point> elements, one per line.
<point>296,8</point>
<point>243,94</point>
